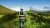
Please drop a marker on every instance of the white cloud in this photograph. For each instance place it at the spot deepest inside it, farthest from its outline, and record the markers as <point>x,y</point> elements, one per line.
<point>16,8</point>
<point>40,8</point>
<point>36,8</point>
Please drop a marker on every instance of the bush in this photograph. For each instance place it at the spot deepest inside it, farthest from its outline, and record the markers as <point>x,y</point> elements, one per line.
<point>8,17</point>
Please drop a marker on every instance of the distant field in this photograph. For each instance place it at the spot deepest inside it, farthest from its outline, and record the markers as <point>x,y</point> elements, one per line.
<point>4,10</point>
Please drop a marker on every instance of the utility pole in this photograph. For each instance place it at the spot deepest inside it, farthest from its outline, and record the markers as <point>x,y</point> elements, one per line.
<point>21,17</point>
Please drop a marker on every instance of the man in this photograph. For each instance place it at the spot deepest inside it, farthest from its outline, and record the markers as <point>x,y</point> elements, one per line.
<point>21,12</point>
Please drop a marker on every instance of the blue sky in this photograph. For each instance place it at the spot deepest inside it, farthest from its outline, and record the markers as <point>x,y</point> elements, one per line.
<point>17,4</point>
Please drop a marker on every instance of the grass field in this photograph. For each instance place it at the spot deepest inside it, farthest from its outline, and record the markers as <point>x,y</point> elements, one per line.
<point>11,20</point>
<point>28,24</point>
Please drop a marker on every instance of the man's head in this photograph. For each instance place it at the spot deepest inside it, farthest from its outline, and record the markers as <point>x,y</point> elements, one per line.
<point>21,9</point>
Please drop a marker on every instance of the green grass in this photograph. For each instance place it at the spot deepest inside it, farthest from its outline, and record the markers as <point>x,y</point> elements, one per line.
<point>11,24</point>
<point>28,24</point>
